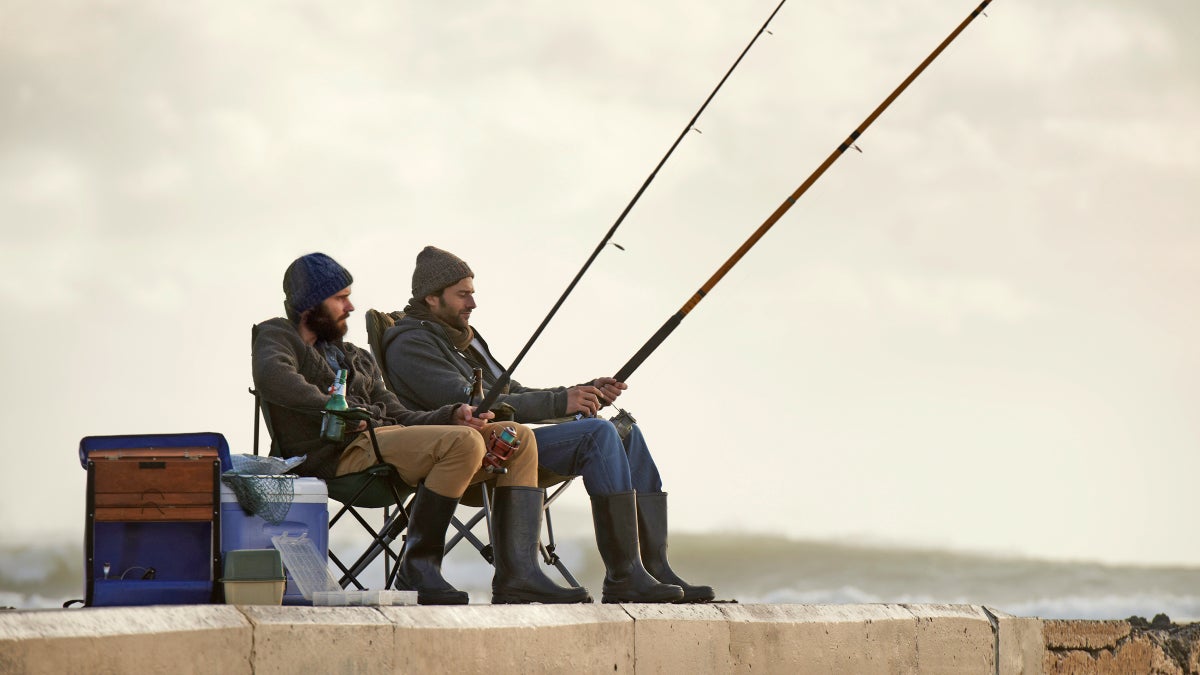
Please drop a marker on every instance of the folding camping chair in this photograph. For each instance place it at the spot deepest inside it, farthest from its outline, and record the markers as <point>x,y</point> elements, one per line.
<point>376,487</point>
<point>378,323</point>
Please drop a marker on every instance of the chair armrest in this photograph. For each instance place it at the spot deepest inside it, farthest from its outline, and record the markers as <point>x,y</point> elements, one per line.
<point>358,414</point>
<point>354,414</point>
<point>361,415</point>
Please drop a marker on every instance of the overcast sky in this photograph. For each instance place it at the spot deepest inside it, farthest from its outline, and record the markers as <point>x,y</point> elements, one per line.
<point>979,333</point>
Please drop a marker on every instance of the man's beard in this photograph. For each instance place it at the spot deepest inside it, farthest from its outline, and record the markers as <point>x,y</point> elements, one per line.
<point>450,317</point>
<point>324,325</point>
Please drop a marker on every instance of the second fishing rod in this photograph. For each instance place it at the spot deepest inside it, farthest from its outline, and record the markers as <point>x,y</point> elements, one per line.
<point>673,322</point>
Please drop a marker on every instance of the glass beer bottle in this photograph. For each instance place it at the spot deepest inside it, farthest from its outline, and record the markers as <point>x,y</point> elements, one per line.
<point>476,390</point>
<point>333,426</point>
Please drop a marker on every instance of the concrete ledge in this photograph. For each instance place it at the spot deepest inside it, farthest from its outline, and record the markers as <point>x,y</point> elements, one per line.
<point>513,639</point>
<point>955,639</point>
<point>177,639</point>
<point>1021,645</point>
<point>821,638</point>
<point>680,638</point>
<point>718,638</point>
<point>291,640</point>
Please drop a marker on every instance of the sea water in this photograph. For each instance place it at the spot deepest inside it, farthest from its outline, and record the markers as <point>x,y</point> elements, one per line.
<point>765,569</point>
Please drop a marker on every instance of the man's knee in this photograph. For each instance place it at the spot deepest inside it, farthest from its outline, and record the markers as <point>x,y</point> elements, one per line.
<point>604,435</point>
<point>466,443</point>
<point>525,436</point>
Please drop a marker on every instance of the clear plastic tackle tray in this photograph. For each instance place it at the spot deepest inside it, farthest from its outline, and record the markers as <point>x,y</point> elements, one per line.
<point>311,574</point>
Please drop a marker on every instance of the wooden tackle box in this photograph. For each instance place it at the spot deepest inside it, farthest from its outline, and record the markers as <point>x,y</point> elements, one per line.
<point>153,518</point>
<point>154,484</point>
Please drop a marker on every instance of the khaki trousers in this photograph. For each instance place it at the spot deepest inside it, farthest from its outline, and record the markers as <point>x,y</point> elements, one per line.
<point>447,457</point>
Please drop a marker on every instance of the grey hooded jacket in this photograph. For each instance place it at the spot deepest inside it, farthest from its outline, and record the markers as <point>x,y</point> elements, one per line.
<point>427,372</point>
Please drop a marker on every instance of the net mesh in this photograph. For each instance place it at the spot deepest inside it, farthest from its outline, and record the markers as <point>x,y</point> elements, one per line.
<point>261,487</point>
<point>268,497</point>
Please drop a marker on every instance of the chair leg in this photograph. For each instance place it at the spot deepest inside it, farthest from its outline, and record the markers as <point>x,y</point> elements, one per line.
<point>548,551</point>
<point>464,532</point>
<point>387,560</point>
<point>381,544</point>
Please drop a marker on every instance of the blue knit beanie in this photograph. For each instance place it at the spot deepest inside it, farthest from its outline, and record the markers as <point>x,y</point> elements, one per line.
<point>309,280</point>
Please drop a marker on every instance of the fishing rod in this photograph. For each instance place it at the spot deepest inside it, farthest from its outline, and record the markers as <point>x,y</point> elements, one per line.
<point>506,376</point>
<point>673,322</point>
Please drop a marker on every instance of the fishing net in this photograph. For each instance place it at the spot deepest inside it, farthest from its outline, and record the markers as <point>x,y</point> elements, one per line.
<point>261,487</point>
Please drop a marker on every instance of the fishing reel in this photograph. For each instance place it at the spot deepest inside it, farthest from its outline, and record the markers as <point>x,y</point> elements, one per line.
<point>499,448</point>
<point>624,422</point>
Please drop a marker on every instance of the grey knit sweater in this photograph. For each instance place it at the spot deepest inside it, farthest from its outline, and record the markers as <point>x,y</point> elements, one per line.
<point>293,378</point>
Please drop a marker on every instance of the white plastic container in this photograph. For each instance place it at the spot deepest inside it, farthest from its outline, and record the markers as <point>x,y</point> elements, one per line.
<point>366,598</point>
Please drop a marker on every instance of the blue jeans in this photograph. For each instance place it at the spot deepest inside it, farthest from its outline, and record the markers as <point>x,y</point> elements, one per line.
<point>592,448</point>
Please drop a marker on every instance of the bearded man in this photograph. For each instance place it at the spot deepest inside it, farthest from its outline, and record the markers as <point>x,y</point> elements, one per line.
<point>431,355</point>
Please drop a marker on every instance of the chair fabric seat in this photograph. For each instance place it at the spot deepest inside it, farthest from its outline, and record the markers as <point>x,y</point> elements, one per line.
<point>376,495</point>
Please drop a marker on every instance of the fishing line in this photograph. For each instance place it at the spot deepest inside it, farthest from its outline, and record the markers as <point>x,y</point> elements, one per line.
<point>504,378</point>
<point>673,322</point>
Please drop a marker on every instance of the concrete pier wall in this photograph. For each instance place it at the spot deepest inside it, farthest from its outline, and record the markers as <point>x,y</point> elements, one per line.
<point>719,638</point>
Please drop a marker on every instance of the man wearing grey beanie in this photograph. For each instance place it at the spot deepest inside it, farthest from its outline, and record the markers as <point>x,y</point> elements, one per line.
<point>439,451</point>
<point>431,356</point>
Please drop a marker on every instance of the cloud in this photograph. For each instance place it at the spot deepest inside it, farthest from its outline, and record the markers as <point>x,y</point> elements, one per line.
<point>951,302</point>
<point>1053,44</point>
<point>1161,141</point>
<point>1032,195</point>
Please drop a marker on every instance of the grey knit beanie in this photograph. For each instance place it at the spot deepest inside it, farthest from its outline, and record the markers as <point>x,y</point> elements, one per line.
<point>309,280</point>
<point>436,269</point>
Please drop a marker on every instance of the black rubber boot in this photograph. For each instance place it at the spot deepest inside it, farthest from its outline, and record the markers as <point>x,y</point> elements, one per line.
<point>652,530</point>
<point>625,580</point>
<point>516,524</point>
<point>420,567</point>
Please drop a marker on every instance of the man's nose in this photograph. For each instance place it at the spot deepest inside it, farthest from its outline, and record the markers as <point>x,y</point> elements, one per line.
<point>471,302</point>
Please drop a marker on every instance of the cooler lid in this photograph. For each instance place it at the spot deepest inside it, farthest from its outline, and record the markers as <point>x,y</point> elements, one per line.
<point>305,490</point>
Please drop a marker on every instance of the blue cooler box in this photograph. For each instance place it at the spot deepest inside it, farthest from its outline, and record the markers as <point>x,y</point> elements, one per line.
<point>309,514</point>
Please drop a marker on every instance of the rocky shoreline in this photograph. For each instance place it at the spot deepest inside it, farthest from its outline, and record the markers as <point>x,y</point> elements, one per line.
<point>1133,645</point>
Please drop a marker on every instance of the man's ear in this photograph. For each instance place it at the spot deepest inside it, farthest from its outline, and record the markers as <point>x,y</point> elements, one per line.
<point>429,300</point>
